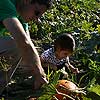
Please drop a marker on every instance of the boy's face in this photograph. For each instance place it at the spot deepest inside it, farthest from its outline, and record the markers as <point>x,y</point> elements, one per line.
<point>60,53</point>
<point>32,11</point>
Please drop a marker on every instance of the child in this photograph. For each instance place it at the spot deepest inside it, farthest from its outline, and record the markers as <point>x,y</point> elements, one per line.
<point>58,56</point>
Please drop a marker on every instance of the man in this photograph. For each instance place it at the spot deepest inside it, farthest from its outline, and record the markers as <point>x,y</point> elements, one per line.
<point>13,16</point>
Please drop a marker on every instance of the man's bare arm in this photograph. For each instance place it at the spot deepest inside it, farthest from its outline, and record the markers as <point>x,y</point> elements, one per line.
<point>29,53</point>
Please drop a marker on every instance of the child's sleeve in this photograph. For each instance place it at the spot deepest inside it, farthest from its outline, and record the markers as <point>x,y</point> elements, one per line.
<point>45,56</point>
<point>67,60</point>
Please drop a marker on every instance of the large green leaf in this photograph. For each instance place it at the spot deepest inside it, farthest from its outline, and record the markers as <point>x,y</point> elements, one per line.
<point>95,89</point>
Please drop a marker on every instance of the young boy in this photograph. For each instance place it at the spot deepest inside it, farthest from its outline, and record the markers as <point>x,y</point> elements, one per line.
<point>58,56</point>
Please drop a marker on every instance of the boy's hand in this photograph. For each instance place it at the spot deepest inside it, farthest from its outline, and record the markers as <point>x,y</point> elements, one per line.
<point>75,70</point>
<point>72,68</point>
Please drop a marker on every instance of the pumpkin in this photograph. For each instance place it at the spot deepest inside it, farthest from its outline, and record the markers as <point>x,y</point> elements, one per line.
<point>32,99</point>
<point>67,90</point>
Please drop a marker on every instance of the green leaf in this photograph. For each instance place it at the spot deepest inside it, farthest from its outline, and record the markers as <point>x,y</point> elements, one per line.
<point>95,89</point>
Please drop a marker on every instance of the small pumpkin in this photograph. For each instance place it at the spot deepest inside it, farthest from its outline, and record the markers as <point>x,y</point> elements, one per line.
<point>32,99</point>
<point>67,90</point>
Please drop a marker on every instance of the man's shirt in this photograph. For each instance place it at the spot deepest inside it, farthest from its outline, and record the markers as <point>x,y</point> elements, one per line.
<point>8,10</point>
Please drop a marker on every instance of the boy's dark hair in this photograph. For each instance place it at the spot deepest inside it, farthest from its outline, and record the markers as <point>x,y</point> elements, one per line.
<point>65,41</point>
<point>48,3</point>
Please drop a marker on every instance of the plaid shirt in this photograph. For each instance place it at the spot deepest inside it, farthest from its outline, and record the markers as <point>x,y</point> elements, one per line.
<point>49,56</point>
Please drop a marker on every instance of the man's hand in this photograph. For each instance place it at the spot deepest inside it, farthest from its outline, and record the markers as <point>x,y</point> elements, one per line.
<point>39,81</point>
<point>39,76</point>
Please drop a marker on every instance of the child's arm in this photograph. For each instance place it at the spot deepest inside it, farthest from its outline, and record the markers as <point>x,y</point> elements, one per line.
<point>71,67</point>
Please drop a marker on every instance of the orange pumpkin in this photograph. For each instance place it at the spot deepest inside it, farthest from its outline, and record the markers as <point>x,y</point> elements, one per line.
<point>32,99</point>
<point>66,90</point>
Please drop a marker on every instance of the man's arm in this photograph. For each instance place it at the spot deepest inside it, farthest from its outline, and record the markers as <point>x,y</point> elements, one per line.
<point>27,49</point>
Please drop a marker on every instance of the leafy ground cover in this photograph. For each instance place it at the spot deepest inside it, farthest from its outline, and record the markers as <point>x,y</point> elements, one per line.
<point>82,19</point>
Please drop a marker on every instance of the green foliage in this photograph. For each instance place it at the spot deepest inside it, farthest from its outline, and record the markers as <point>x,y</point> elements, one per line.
<point>95,88</point>
<point>49,90</point>
<point>82,19</point>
